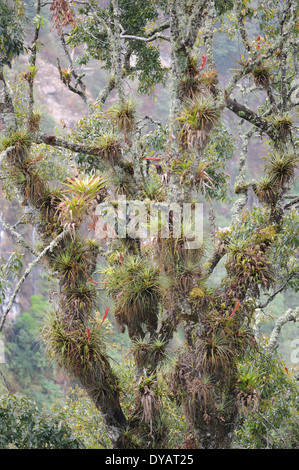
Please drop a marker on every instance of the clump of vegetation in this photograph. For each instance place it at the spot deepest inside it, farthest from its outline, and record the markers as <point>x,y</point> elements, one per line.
<point>266,190</point>
<point>109,147</point>
<point>82,193</point>
<point>209,79</point>
<point>249,266</point>
<point>181,165</point>
<point>122,182</point>
<point>20,140</point>
<point>193,390</point>
<point>153,189</point>
<point>34,121</point>
<point>190,84</point>
<point>72,346</point>
<point>202,177</point>
<point>215,351</point>
<point>197,294</point>
<point>197,119</point>
<point>187,267</point>
<point>265,235</point>
<point>21,168</point>
<point>261,76</point>
<point>149,353</point>
<point>73,263</point>
<point>24,425</point>
<point>30,74</point>
<point>135,286</point>
<point>80,298</point>
<point>281,168</point>
<point>283,125</point>
<point>247,383</point>
<point>124,114</point>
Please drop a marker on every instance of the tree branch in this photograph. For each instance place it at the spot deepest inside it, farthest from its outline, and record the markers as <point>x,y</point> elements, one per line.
<point>55,141</point>
<point>68,84</point>
<point>272,296</point>
<point>195,22</point>
<point>7,111</point>
<point>256,60</point>
<point>18,236</point>
<point>289,315</point>
<point>293,202</point>
<point>240,18</point>
<point>104,93</point>
<point>50,247</point>
<point>32,61</point>
<point>145,39</point>
<point>252,117</point>
<point>155,33</point>
<point>159,28</point>
<point>219,253</point>
<point>241,186</point>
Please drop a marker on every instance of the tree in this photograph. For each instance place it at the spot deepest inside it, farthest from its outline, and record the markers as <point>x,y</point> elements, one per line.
<point>161,284</point>
<point>25,426</point>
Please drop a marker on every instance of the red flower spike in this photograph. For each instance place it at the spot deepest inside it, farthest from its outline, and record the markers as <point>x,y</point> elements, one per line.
<point>203,61</point>
<point>94,282</point>
<point>105,315</point>
<point>155,159</point>
<point>88,334</point>
<point>235,309</point>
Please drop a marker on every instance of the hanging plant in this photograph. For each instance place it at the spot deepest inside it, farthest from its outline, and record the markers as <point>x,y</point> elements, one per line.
<point>215,352</point>
<point>136,289</point>
<point>202,177</point>
<point>283,125</point>
<point>124,115</point>
<point>261,76</point>
<point>197,119</point>
<point>109,147</point>
<point>209,79</point>
<point>190,84</point>
<point>34,121</point>
<point>74,347</point>
<point>20,140</point>
<point>281,168</point>
<point>266,190</point>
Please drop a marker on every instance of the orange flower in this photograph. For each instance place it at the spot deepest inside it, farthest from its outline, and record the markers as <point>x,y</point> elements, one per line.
<point>235,309</point>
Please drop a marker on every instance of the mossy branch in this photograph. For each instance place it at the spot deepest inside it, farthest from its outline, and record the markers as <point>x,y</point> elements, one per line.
<point>289,315</point>
<point>32,265</point>
<point>18,236</point>
<point>55,141</point>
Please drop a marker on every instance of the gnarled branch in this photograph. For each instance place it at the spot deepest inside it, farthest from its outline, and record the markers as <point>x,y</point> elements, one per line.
<point>289,315</point>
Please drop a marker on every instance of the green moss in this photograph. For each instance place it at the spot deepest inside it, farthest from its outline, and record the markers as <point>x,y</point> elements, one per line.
<point>196,293</point>
<point>266,235</point>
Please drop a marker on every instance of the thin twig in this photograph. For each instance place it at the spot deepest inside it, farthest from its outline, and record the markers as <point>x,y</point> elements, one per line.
<point>18,236</point>
<point>272,296</point>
